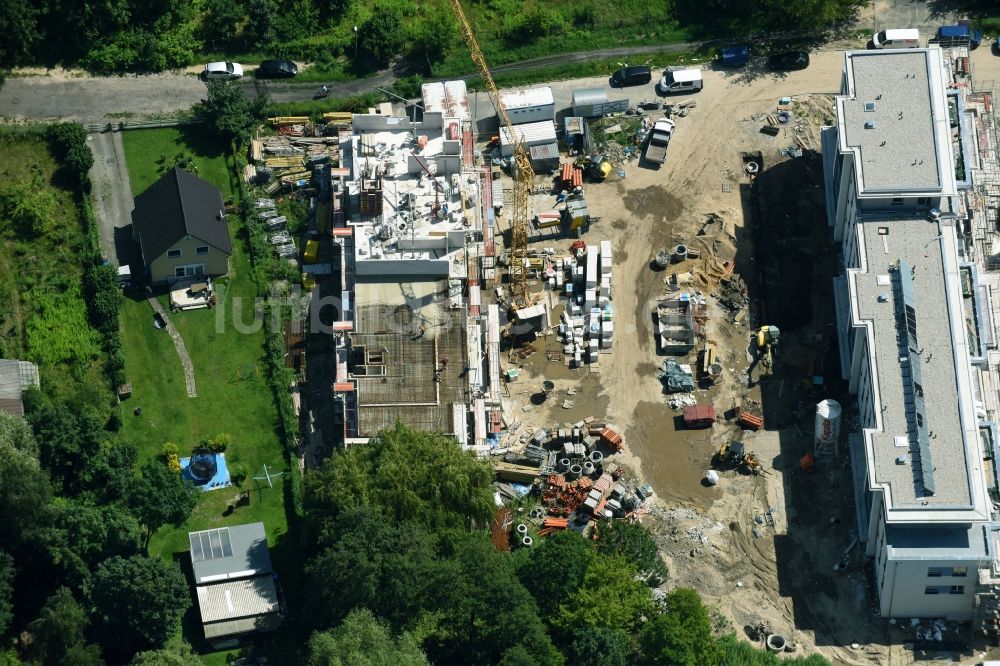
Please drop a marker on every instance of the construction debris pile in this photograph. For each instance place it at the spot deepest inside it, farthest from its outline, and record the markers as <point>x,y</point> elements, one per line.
<point>285,161</point>
<point>587,325</point>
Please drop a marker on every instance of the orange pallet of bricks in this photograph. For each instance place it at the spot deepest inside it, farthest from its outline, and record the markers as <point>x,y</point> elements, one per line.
<point>751,421</point>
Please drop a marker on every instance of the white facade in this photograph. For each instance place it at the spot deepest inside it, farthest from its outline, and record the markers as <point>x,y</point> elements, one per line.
<point>902,317</point>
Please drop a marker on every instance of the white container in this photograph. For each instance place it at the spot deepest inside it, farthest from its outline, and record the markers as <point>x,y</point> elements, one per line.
<point>827,423</point>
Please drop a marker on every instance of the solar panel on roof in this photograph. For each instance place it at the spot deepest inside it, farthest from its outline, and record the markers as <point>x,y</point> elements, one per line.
<point>197,554</point>
<point>211,544</point>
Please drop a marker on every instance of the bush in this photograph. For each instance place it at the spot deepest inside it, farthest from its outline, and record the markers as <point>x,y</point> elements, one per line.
<point>219,443</point>
<point>168,449</point>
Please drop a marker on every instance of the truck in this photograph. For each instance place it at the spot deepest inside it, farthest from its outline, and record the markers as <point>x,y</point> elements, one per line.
<point>659,138</point>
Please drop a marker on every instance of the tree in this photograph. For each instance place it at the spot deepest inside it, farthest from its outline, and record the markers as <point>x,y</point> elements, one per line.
<point>599,646</point>
<point>610,596</point>
<point>67,442</point>
<point>82,535</point>
<point>221,22</point>
<point>24,490</point>
<point>682,635</point>
<point>18,25</point>
<point>483,614</point>
<point>364,640</point>
<point>160,496</point>
<point>261,15</point>
<point>555,569</point>
<point>633,542</point>
<point>175,653</point>
<point>410,476</point>
<point>57,636</point>
<point>69,142</point>
<point>229,111</point>
<point>104,297</point>
<point>382,35</point>
<point>137,604</point>
<point>16,434</point>
<point>7,572</point>
<point>433,35</point>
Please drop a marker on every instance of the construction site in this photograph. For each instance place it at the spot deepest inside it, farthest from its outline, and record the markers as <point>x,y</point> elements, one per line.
<point>663,344</point>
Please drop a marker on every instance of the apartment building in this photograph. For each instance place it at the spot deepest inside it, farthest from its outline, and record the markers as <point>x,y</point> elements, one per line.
<point>911,324</point>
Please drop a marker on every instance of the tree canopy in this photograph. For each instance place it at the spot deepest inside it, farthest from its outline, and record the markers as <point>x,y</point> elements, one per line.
<point>410,476</point>
<point>137,603</point>
<point>364,640</point>
<point>682,635</point>
<point>227,108</point>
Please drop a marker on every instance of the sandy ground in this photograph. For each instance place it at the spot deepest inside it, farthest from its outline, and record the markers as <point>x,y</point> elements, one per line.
<point>719,540</point>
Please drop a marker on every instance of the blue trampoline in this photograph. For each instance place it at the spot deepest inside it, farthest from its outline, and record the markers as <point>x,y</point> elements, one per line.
<point>214,463</point>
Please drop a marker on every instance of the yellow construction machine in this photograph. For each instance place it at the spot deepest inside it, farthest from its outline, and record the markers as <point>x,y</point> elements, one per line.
<point>733,455</point>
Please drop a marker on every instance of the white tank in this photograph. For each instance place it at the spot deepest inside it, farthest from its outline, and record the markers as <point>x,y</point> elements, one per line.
<point>827,423</point>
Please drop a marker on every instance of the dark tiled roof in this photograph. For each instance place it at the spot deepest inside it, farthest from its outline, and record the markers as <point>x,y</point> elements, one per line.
<point>177,205</point>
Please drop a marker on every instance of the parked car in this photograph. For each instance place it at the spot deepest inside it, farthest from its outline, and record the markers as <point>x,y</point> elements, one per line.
<point>659,139</point>
<point>788,61</point>
<point>959,35</point>
<point>734,56</point>
<point>225,71</point>
<point>277,69</point>
<point>631,75</point>
<point>687,80</point>
<point>903,38</point>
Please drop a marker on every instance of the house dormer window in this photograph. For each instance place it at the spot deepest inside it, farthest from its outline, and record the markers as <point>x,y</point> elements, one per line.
<point>173,254</point>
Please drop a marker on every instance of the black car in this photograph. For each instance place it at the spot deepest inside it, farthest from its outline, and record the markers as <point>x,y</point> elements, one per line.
<point>633,75</point>
<point>277,69</point>
<point>789,60</point>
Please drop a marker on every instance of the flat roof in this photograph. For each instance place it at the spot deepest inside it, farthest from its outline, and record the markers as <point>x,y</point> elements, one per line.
<point>920,363</point>
<point>893,115</point>
<point>231,552</point>
<point>526,97</point>
<point>955,542</point>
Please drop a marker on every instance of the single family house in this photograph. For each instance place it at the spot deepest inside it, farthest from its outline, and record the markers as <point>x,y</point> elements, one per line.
<point>180,225</point>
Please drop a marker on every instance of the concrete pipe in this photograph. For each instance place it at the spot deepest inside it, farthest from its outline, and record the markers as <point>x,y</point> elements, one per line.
<point>563,464</point>
<point>776,643</point>
<point>527,541</point>
<point>588,468</point>
<point>596,457</point>
<point>680,253</point>
<point>575,471</point>
<point>522,528</point>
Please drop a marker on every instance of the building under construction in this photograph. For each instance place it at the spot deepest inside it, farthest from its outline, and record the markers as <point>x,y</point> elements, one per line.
<point>413,343</point>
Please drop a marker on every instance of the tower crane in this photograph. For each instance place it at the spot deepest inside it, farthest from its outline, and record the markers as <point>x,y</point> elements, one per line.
<point>524,175</point>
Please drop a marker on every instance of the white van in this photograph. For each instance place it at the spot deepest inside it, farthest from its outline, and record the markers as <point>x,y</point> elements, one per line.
<point>680,81</point>
<point>906,38</point>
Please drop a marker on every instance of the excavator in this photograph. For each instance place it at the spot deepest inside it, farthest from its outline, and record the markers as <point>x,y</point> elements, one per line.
<point>733,455</point>
<point>523,173</point>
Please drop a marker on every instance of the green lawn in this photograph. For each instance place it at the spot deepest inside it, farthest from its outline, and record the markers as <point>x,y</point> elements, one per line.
<point>233,394</point>
<point>152,152</point>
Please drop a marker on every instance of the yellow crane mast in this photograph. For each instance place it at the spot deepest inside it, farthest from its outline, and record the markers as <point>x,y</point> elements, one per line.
<point>524,175</point>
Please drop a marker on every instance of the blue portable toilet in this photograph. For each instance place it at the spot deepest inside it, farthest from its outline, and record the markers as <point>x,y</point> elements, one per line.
<point>736,56</point>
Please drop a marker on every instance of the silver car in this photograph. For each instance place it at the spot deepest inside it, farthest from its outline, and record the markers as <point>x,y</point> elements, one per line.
<point>226,71</point>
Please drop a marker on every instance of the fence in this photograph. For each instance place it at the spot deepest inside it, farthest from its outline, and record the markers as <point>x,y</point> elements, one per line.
<point>119,126</point>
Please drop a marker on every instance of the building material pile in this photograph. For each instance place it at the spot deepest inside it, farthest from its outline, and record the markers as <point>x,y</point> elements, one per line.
<point>587,326</point>
<point>267,216</point>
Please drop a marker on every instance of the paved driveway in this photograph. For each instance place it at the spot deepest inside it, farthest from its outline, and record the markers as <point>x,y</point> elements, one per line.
<point>111,195</point>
